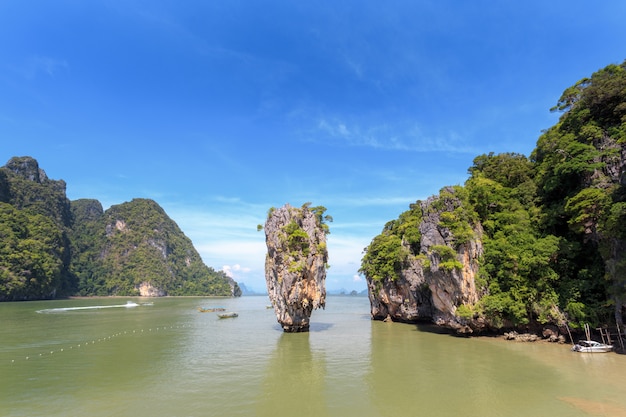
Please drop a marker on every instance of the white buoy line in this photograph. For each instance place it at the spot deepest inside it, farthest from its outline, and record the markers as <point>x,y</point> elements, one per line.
<point>99,340</point>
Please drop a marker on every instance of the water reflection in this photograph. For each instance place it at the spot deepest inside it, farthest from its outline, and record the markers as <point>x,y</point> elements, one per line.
<point>294,383</point>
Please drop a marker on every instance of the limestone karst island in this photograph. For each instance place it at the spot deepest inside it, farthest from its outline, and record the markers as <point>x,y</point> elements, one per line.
<point>295,266</point>
<point>532,243</point>
<point>53,247</point>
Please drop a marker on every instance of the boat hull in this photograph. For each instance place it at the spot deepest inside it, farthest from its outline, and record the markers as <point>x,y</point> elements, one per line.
<point>590,346</point>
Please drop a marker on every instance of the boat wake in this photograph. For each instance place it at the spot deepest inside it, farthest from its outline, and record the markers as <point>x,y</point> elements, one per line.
<point>129,304</point>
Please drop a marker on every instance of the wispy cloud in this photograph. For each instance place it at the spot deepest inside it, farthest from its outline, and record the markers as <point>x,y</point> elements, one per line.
<point>399,137</point>
<point>37,64</point>
<point>372,201</point>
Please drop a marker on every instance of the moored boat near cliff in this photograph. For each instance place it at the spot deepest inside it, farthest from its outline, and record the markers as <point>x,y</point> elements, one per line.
<point>591,346</point>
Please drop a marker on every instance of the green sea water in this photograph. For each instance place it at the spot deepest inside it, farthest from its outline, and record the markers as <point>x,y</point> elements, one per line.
<point>168,359</point>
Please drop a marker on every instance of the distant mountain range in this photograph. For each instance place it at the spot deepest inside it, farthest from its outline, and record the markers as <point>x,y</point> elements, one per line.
<point>341,291</point>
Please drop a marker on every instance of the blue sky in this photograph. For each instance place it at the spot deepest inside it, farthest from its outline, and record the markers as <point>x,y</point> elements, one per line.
<point>219,110</point>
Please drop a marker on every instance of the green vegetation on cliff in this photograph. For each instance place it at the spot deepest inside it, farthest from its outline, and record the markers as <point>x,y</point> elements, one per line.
<point>386,256</point>
<point>34,245</point>
<point>517,271</point>
<point>554,224</point>
<point>136,243</point>
<point>31,254</point>
<point>52,247</point>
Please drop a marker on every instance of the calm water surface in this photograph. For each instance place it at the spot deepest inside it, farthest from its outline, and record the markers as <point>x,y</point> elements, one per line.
<point>167,359</point>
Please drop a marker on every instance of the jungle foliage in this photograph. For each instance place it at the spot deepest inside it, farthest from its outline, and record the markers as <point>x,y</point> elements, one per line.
<point>298,242</point>
<point>554,223</point>
<point>137,242</point>
<point>51,247</point>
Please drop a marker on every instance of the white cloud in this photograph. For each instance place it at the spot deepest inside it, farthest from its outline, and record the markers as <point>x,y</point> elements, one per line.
<point>228,270</point>
<point>234,253</point>
<point>372,201</point>
<point>234,270</point>
<point>399,137</point>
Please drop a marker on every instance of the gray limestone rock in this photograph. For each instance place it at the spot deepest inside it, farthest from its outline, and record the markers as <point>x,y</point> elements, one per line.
<point>427,288</point>
<point>295,265</point>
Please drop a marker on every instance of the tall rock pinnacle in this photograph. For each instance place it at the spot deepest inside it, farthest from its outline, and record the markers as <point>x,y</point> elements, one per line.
<point>295,265</point>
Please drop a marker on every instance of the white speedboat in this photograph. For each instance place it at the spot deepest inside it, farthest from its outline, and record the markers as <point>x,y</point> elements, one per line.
<point>591,346</point>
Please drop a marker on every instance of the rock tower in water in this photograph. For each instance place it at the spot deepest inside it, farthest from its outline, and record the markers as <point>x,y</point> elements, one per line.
<point>295,265</point>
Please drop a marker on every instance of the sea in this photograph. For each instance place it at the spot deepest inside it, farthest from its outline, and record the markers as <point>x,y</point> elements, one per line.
<point>163,357</point>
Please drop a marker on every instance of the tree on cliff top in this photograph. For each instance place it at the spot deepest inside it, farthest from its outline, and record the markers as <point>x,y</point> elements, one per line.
<point>581,174</point>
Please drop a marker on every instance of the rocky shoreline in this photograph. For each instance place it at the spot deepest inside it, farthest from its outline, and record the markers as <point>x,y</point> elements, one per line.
<point>532,337</point>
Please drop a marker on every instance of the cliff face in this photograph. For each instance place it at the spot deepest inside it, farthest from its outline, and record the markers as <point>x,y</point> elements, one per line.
<point>30,188</point>
<point>136,249</point>
<point>437,274</point>
<point>34,221</point>
<point>295,265</point>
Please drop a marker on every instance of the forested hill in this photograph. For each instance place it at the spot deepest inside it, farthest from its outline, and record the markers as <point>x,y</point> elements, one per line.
<point>52,247</point>
<point>551,227</point>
